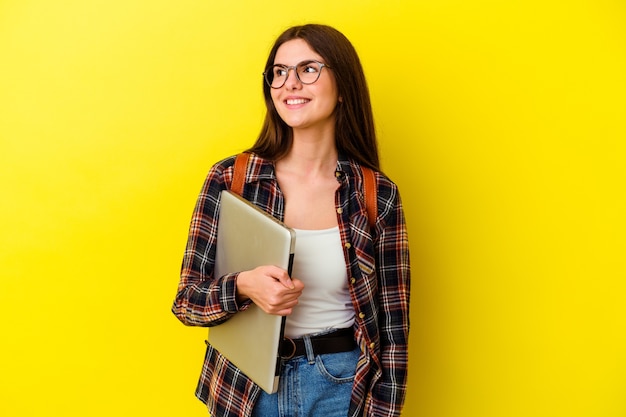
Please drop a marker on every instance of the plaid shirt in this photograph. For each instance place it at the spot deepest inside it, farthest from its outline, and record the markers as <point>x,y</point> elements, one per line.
<point>377,262</point>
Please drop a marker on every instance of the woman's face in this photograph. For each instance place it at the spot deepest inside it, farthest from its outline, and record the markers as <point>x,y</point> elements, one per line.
<point>304,106</point>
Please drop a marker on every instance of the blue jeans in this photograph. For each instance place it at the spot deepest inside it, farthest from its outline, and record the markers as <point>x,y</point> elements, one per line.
<point>312,386</point>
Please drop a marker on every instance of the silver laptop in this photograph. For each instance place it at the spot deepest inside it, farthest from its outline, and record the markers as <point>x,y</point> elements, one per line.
<point>248,237</point>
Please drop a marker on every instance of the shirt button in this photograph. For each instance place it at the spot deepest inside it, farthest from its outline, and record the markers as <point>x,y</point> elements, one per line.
<point>362,315</point>
<point>339,210</point>
<point>348,245</point>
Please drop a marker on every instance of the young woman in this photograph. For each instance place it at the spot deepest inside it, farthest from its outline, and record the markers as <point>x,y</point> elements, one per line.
<point>347,302</point>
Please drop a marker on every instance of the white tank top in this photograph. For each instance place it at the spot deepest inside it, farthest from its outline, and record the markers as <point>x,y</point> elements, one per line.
<point>325,301</point>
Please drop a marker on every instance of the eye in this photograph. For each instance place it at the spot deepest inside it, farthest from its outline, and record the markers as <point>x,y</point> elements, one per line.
<point>279,71</point>
<point>309,68</point>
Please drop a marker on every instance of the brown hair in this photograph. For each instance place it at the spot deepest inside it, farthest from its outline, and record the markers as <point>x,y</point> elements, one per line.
<point>354,130</point>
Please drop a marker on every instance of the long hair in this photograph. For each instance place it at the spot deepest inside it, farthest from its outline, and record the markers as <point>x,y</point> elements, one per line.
<point>355,135</point>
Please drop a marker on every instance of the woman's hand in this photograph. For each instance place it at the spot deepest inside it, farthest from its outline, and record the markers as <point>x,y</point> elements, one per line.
<point>270,288</point>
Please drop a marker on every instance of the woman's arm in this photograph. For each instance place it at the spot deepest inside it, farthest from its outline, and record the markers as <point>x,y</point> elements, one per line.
<point>205,300</point>
<point>202,299</point>
<point>393,269</point>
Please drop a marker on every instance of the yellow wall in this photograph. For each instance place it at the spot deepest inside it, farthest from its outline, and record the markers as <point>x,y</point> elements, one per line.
<point>502,122</point>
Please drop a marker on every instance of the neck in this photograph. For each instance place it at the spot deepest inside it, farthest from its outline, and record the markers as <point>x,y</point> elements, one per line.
<point>312,152</point>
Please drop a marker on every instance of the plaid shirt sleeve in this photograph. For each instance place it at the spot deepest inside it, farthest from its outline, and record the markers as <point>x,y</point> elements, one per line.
<point>381,299</point>
<point>202,299</point>
<point>393,269</point>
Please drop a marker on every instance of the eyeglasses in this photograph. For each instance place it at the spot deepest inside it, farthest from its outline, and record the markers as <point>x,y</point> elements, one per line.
<point>307,72</point>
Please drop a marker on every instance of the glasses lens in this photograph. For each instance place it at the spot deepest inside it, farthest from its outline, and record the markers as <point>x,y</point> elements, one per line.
<point>309,72</point>
<point>276,76</point>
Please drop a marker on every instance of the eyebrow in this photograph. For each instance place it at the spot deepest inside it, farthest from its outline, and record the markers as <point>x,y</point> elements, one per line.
<point>306,61</point>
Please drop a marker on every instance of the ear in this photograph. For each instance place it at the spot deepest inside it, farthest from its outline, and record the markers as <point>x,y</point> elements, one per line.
<point>340,99</point>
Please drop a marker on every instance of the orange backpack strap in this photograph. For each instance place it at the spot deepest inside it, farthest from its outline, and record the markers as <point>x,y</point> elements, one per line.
<point>370,194</point>
<point>239,173</point>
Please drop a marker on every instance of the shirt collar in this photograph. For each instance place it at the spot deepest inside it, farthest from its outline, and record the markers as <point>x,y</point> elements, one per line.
<point>263,169</point>
<point>259,169</point>
<point>345,167</point>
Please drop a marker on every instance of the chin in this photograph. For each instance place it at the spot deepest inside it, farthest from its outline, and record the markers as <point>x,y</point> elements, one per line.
<point>295,124</point>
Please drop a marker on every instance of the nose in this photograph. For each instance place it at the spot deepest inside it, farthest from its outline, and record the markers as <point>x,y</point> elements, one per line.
<point>292,82</point>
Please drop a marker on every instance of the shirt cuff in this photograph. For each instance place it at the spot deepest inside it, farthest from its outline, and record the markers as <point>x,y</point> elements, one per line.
<point>228,295</point>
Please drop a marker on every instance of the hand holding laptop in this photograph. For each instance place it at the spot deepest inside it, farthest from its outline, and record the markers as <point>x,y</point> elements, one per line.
<point>248,239</point>
<point>270,288</point>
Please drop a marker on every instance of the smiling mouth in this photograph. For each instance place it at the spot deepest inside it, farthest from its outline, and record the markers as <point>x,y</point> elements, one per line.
<point>296,101</point>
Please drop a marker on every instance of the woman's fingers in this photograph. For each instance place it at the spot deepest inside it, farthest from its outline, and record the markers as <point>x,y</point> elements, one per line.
<point>270,288</point>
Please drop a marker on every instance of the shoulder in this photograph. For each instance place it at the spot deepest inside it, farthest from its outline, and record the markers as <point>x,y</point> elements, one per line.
<point>219,174</point>
<point>224,164</point>
<point>388,202</point>
<point>227,164</point>
<point>256,168</point>
<point>385,187</point>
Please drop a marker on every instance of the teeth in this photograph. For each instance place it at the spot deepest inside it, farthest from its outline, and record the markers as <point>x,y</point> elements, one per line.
<point>296,101</point>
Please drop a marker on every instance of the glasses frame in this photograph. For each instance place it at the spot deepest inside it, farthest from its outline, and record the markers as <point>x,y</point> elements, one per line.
<point>295,71</point>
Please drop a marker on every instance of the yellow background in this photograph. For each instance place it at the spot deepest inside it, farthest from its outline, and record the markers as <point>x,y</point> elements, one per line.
<point>501,121</point>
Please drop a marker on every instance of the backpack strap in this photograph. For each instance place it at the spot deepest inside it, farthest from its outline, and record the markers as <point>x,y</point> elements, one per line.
<point>370,194</point>
<point>369,185</point>
<point>239,173</point>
